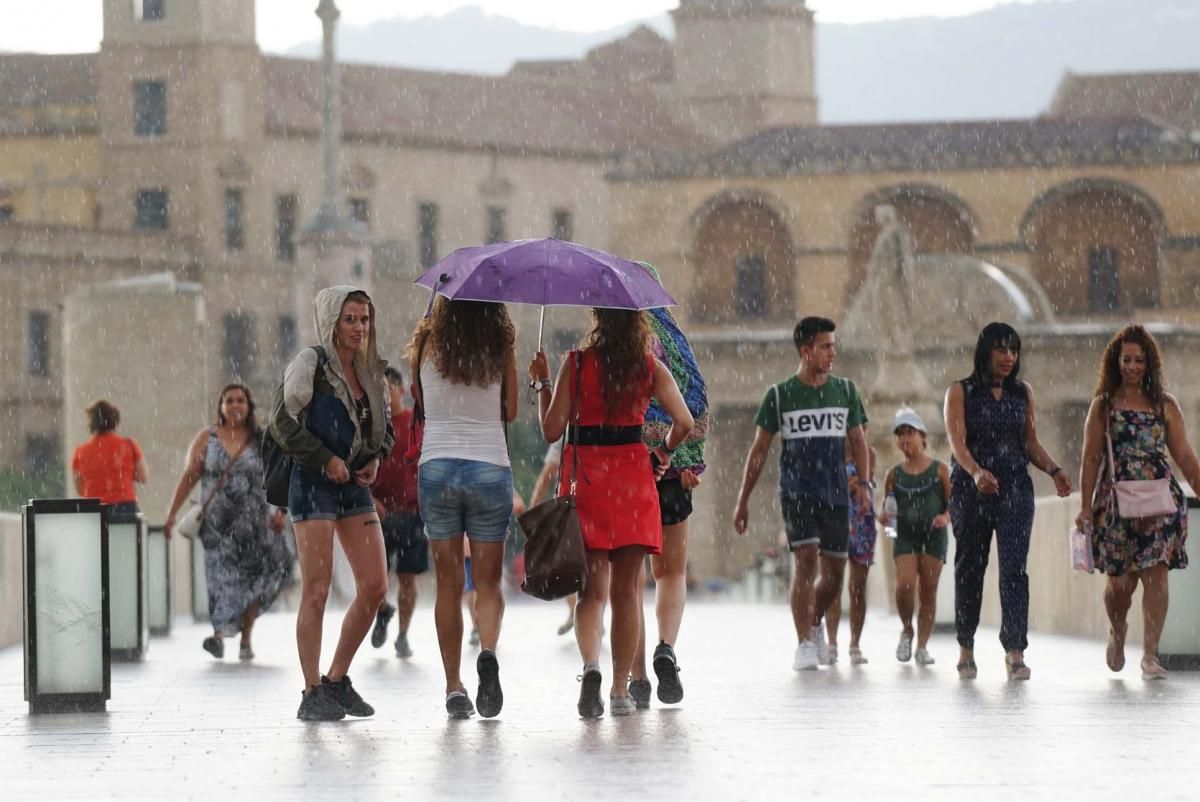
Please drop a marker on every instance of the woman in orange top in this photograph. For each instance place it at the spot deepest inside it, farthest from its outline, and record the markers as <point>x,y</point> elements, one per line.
<point>106,466</point>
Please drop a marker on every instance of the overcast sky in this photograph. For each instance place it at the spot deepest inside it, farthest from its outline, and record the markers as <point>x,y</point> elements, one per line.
<point>76,24</point>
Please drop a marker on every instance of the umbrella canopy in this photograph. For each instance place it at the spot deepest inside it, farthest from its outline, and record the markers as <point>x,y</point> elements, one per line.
<point>545,272</point>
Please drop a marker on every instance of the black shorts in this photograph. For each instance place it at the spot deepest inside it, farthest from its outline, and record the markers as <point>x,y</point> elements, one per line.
<point>674,502</point>
<point>809,522</point>
<point>406,544</point>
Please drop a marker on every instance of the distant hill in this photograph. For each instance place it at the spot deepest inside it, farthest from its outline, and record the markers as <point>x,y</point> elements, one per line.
<point>1004,62</point>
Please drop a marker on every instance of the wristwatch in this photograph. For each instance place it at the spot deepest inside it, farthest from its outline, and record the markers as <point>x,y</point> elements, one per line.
<point>537,385</point>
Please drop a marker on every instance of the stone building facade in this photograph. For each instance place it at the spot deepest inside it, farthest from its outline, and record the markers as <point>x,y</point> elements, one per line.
<point>181,147</point>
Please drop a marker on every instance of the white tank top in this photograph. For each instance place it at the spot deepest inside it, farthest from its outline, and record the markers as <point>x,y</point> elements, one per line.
<point>461,421</point>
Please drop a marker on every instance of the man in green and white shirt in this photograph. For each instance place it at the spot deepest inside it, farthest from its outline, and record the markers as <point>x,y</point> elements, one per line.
<point>814,412</point>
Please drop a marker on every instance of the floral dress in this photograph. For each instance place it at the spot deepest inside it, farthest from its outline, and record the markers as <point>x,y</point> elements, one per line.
<point>1125,545</point>
<point>245,562</point>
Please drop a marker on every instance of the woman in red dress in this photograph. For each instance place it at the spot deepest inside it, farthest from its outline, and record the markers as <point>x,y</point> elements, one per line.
<point>615,492</point>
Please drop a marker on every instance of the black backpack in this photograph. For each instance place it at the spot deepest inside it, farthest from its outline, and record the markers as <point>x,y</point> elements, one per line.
<point>277,465</point>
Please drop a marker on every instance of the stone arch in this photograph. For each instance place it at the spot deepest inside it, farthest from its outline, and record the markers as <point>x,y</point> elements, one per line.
<point>742,260</point>
<point>1096,246</point>
<point>940,222</point>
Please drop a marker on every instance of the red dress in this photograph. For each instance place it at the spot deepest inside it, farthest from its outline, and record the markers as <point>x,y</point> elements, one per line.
<point>615,491</point>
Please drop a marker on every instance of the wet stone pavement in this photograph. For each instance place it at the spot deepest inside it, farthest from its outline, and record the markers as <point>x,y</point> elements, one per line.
<point>184,726</point>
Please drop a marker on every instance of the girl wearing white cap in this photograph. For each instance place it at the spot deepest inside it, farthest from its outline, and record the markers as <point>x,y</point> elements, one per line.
<point>921,488</point>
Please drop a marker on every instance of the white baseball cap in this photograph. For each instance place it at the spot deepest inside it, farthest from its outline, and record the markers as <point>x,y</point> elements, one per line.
<point>906,416</point>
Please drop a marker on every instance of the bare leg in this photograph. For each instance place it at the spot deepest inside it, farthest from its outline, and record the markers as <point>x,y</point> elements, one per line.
<point>829,585</point>
<point>906,590</point>
<point>638,669</point>
<point>670,576</point>
<point>1155,596</point>
<point>487,568</point>
<point>447,609</point>
<point>248,619</point>
<point>468,601</point>
<point>858,601</point>
<point>802,591</point>
<point>929,572</point>
<point>626,590</point>
<point>1118,598</point>
<point>406,599</point>
<point>314,548</point>
<point>833,620</point>
<point>589,611</point>
<point>362,541</point>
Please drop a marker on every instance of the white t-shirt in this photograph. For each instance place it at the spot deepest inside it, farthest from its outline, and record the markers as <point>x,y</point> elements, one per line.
<point>461,421</point>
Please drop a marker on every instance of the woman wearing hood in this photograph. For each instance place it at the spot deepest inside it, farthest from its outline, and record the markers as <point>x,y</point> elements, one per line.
<point>331,417</point>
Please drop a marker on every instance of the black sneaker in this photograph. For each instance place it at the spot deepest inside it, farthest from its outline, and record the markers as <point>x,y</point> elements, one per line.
<point>214,646</point>
<point>489,699</point>
<point>319,704</point>
<point>382,617</point>
<point>344,694</point>
<point>639,689</point>
<point>458,705</point>
<point>590,704</point>
<point>670,690</point>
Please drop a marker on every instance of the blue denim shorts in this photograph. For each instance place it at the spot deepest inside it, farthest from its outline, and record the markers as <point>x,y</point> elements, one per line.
<point>465,496</point>
<point>312,497</point>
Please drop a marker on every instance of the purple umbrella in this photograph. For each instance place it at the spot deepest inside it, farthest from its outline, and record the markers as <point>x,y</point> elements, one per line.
<point>544,272</point>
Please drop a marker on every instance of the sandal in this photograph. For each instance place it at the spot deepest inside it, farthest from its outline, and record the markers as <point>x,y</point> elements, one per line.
<point>1017,670</point>
<point>967,669</point>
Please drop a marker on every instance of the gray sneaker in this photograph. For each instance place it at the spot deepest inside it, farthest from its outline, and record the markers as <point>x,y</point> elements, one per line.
<point>402,647</point>
<point>904,647</point>
<point>458,705</point>
<point>621,705</point>
<point>640,689</point>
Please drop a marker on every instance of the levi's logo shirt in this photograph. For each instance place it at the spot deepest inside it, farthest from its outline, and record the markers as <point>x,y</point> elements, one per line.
<point>813,422</point>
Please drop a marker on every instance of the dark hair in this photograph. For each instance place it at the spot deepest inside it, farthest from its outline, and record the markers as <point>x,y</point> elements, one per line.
<point>1110,366</point>
<point>251,418</point>
<point>469,342</point>
<point>996,335</point>
<point>393,375</point>
<point>807,330</point>
<point>103,416</point>
<point>621,339</point>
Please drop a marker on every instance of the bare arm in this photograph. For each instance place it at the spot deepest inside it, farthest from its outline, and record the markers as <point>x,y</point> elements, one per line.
<point>755,459</point>
<point>955,412</point>
<point>554,410</point>
<point>862,456</point>
<point>1038,455</point>
<point>1092,456</point>
<point>511,394</point>
<point>77,478</point>
<point>192,471</point>
<point>1177,443</point>
<point>942,519</point>
<point>666,391</point>
<point>141,474</point>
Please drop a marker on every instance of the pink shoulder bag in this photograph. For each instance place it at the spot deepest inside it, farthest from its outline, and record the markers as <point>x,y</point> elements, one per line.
<point>1139,498</point>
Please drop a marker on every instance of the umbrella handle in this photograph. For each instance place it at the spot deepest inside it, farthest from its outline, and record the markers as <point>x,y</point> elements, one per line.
<point>541,326</point>
<point>442,279</point>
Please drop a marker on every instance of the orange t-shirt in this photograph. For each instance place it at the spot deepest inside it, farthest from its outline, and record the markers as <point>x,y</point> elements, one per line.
<point>106,464</point>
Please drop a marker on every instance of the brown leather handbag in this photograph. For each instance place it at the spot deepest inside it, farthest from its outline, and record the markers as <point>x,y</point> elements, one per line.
<point>555,558</point>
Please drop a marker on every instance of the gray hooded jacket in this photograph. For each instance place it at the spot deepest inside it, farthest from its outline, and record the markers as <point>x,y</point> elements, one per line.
<point>295,394</point>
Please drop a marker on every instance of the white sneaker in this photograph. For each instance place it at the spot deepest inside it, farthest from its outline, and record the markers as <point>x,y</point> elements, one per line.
<point>923,657</point>
<point>806,657</point>
<point>856,657</point>
<point>904,648</point>
<point>833,654</point>
<point>818,638</point>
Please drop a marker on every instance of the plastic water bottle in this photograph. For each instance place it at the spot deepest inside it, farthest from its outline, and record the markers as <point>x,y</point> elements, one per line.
<point>889,513</point>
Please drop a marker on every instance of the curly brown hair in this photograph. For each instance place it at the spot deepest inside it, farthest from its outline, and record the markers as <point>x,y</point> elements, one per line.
<point>621,339</point>
<point>1109,378</point>
<point>469,342</point>
<point>103,416</point>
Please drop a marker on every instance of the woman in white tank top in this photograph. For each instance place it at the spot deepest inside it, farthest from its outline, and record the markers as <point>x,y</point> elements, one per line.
<point>463,354</point>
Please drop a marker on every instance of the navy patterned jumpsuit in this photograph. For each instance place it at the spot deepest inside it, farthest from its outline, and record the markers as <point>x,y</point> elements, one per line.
<point>996,439</point>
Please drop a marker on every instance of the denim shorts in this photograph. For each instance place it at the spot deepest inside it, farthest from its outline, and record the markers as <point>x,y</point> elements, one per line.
<point>312,497</point>
<point>460,496</point>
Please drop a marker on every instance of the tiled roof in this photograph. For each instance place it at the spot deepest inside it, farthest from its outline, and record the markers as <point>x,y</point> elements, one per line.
<point>926,146</point>
<point>476,111</point>
<point>35,89</point>
<point>1170,98</point>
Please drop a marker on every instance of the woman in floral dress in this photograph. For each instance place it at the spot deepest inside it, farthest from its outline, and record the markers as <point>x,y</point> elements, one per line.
<point>1146,425</point>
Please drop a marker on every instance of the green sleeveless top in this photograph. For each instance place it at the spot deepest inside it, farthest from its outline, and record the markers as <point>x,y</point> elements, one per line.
<point>919,497</point>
